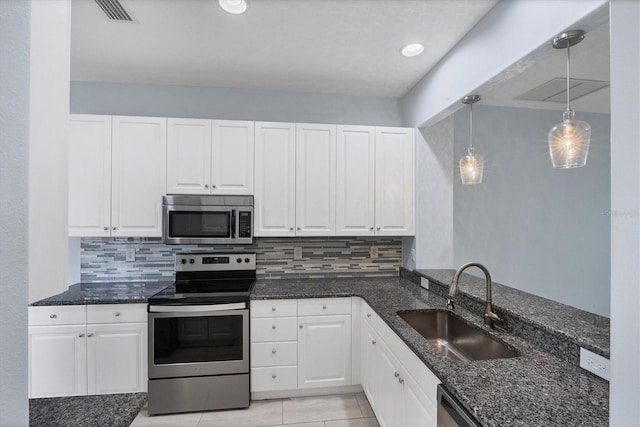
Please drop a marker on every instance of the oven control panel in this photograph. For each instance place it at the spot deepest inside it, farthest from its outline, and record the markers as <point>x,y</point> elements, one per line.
<point>215,262</point>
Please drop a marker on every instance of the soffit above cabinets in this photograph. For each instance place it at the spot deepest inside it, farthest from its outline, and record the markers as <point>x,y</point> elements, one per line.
<point>327,46</point>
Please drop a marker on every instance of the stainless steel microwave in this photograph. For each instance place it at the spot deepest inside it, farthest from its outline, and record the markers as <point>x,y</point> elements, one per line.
<point>207,220</point>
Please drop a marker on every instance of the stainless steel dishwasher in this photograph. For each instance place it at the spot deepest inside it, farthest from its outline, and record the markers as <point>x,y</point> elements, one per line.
<point>451,413</point>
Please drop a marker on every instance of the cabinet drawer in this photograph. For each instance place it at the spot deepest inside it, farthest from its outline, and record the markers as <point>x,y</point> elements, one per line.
<point>278,378</point>
<point>369,315</point>
<point>57,315</point>
<point>117,313</point>
<point>274,308</point>
<point>274,354</point>
<point>270,329</point>
<point>321,306</point>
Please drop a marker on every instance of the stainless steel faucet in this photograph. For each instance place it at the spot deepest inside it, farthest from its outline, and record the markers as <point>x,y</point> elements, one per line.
<point>489,316</point>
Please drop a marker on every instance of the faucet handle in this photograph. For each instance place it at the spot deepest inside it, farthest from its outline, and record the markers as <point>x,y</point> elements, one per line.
<point>450,304</point>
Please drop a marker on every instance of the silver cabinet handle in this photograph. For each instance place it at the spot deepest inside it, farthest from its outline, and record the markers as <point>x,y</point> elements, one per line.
<point>368,314</point>
<point>213,186</point>
<point>401,380</point>
<point>114,228</point>
<point>105,228</point>
<point>90,335</point>
<point>324,306</point>
<point>53,316</point>
<point>378,228</point>
<point>396,374</point>
<point>373,342</point>
<point>273,327</point>
<point>81,336</point>
<point>273,309</point>
<point>273,376</point>
<point>273,351</point>
<point>298,228</point>
<point>290,228</point>
<point>206,186</point>
<point>300,326</point>
<point>371,228</point>
<point>117,314</point>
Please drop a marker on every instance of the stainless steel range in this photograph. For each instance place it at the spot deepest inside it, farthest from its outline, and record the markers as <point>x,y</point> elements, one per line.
<point>199,335</point>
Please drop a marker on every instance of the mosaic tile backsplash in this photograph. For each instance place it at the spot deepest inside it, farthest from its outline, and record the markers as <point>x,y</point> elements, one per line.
<point>104,259</point>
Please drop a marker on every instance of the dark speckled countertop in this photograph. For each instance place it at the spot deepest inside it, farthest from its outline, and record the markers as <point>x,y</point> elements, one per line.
<point>105,293</point>
<point>534,389</point>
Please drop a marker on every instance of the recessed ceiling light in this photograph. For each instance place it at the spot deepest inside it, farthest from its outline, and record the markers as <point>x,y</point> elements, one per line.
<point>233,6</point>
<point>412,49</point>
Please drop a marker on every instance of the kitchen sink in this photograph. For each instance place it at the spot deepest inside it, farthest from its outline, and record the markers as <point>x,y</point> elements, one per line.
<point>455,338</point>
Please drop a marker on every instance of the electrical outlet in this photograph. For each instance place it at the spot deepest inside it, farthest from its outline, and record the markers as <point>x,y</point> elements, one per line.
<point>297,253</point>
<point>424,282</point>
<point>595,363</point>
<point>373,252</point>
<point>130,255</point>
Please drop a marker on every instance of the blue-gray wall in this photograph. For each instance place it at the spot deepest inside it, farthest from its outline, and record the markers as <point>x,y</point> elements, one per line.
<point>232,104</point>
<point>14,149</point>
<point>542,230</point>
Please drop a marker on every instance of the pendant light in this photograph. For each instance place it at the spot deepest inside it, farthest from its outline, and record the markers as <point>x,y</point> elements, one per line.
<point>471,165</point>
<point>569,140</point>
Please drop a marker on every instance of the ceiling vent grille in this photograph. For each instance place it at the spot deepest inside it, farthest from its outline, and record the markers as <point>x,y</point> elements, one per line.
<point>555,90</point>
<point>114,10</point>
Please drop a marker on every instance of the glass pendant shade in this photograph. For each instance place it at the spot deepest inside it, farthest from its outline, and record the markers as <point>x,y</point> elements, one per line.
<point>471,168</point>
<point>569,142</point>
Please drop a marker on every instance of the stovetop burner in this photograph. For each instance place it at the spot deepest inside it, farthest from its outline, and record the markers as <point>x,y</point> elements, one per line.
<point>209,278</point>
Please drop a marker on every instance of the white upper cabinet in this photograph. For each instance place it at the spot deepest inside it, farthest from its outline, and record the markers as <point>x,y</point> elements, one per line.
<point>139,149</point>
<point>232,154</point>
<point>355,181</point>
<point>275,173</point>
<point>210,157</point>
<point>89,175</point>
<point>188,156</point>
<point>315,179</point>
<point>394,181</point>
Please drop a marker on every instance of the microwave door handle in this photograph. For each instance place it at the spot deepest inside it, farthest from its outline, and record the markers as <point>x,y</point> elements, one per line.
<point>233,224</point>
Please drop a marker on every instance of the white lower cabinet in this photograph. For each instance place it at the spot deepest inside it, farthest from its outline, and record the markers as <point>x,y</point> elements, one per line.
<point>78,358</point>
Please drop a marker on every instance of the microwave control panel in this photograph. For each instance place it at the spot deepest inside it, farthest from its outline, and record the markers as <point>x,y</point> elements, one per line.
<point>244,224</point>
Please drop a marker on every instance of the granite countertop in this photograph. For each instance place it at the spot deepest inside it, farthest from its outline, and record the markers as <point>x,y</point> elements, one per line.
<point>105,410</point>
<point>105,293</point>
<point>534,389</point>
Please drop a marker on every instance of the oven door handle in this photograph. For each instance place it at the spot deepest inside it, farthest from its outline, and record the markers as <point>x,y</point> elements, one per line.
<point>195,308</point>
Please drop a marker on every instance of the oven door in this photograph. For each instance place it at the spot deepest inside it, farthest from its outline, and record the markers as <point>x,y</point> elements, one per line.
<point>198,340</point>
<point>189,224</point>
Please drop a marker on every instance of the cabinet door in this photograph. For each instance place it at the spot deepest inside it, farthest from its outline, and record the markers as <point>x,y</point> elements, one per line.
<point>324,351</point>
<point>275,174</point>
<point>57,361</point>
<point>355,181</point>
<point>89,175</point>
<point>232,147</point>
<point>389,399</point>
<point>418,410</point>
<point>315,179</point>
<point>188,156</point>
<point>139,147</point>
<point>117,358</point>
<point>394,181</point>
<point>368,354</point>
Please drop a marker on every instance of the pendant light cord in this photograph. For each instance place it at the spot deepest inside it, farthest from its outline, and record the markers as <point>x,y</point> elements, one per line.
<point>471,126</point>
<point>568,75</point>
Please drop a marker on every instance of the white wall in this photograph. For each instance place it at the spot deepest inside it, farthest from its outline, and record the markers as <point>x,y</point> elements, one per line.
<point>232,104</point>
<point>49,110</point>
<point>14,166</point>
<point>625,219</point>
<point>542,230</point>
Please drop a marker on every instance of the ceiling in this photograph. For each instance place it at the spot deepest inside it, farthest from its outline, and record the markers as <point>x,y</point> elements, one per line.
<point>327,46</point>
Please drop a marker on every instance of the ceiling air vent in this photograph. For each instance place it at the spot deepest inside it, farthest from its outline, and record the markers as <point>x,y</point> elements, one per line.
<point>555,90</point>
<point>114,10</point>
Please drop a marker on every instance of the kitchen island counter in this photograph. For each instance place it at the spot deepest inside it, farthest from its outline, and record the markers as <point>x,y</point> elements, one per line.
<point>534,389</point>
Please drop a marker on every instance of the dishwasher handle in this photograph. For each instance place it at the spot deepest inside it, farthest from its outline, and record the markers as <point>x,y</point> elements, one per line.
<point>451,413</point>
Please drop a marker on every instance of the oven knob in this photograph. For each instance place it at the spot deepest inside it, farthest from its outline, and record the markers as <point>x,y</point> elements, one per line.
<point>184,261</point>
<point>246,260</point>
<point>239,260</point>
<point>192,261</point>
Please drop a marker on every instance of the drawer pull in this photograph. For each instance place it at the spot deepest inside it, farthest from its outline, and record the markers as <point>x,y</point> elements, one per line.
<point>368,314</point>
<point>324,306</point>
<point>273,327</point>
<point>118,314</point>
<point>373,342</point>
<point>53,316</point>
<point>396,374</point>
<point>81,336</point>
<point>300,326</point>
<point>273,376</point>
<point>273,351</point>
<point>90,335</point>
<point>401,380</point>
<point>273,309</point>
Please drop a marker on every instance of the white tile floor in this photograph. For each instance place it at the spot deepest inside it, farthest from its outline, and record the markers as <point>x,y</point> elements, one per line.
<point>343,410</point>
